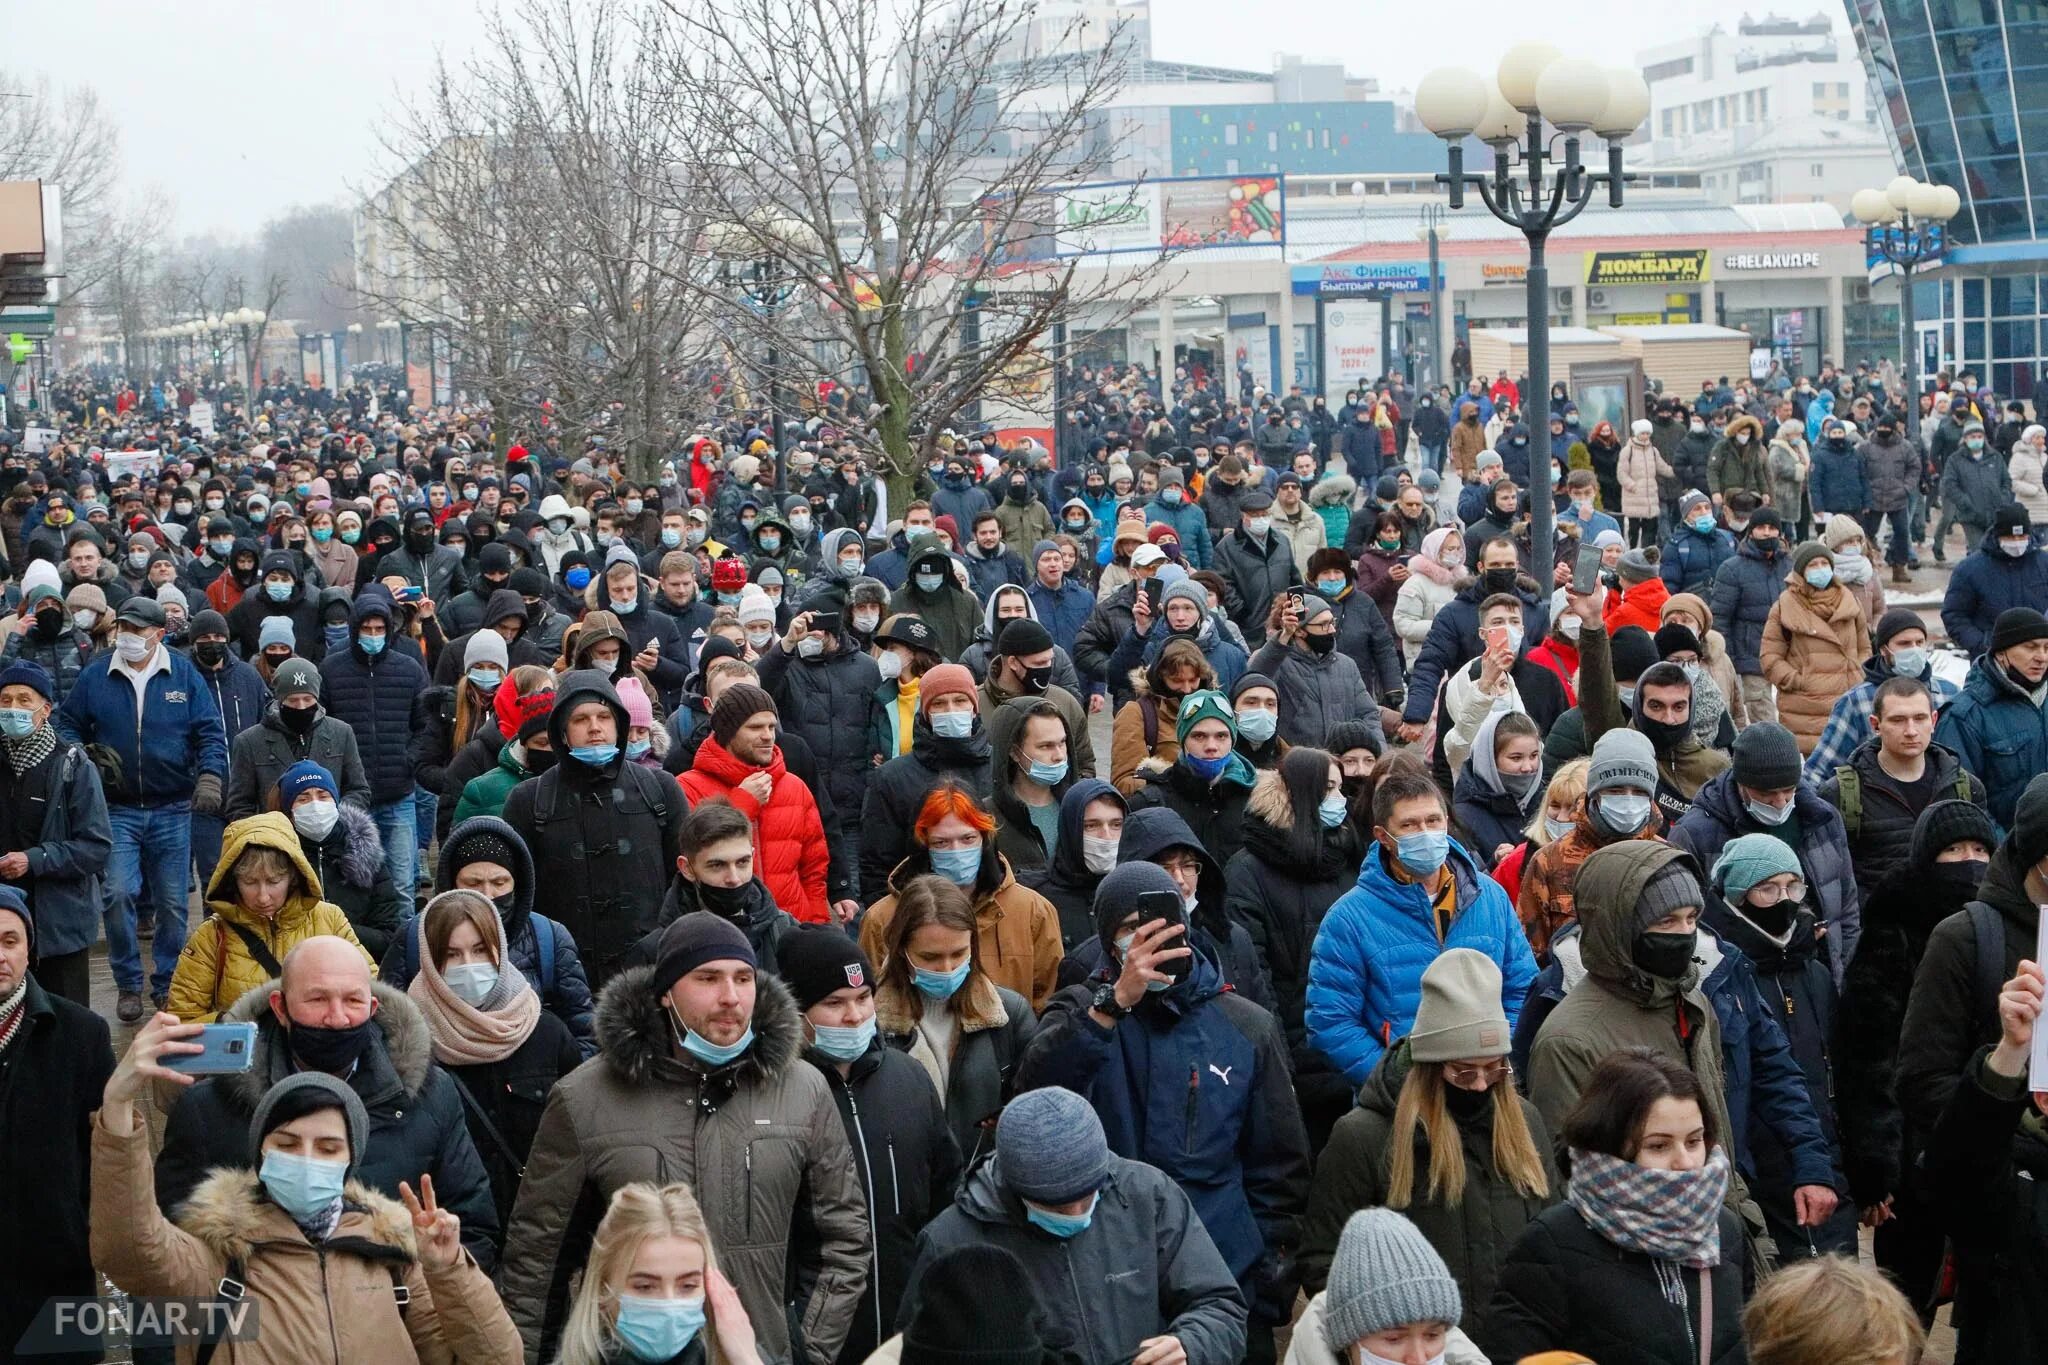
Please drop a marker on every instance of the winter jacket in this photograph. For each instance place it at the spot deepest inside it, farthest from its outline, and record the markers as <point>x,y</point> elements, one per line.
<point>1789,463</point>
<point>246,619</point>
<point>1257,574</point>
<point>2029,482</point>
<point>1099,636</point>
<point>239,692</point>
<point>1145,1239</point>
<point>995,1025</point>
<point>1487,813</point>
<point>829,700</point>
<point>987,572</point>
<point>259,756</point>
<point>1468,442</point>
<point>1374,581</point>
<point>69,851</point>
<point>1364,637</point>
<point>1879,846</point>
<point>334,1301</point>
<point>166,746</point>
<point>951,612</point>
<point>1216,636</point>
<point>417,1125</point>
<point>790,856</point>
<point>1018,930</point>
<point>754,1136</point>
<point>510,1095</point>
<point>1303,530</point>
<point>63,656</point>
<point>1190,527</point>
<point>1214,811</point>
<point>1691,457</point>
<point>1813,647</point>
<point>218,965</point>
<point>603,839</point>
<point>1416,605</point>
<point>1733,467</point>
<point>1744,590</point>
<point>1316,691</point>
<point>1474,1236</point>
<point>1330,497</point>
<point>1365,970</point>
<point>1309,1344</point>
<point>353,877</point>
<point>1638,469</point>
<point>1639,605</point>
<point>485,794</point>
<point>440,571</point>
<point>2000,734</point>
<point>1061,612</point>
<point>1024,524</point>
<point>374,695</point>
<point>1066,882</point>
<point>1892,471</point>
<point>1974,487</point>
<point>1133,742</point>
<point>57,1070</point>
<point>1986,583</point>
<point>1691,560</point>
<point>896,792</point>
<point>1838,481</point>
<point>1453,639</point>
<point>1565,1287</point>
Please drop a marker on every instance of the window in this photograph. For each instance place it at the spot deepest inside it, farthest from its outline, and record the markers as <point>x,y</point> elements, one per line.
<point>1669,121</point>
<point>1817,170</point>
<point>1230,134</point>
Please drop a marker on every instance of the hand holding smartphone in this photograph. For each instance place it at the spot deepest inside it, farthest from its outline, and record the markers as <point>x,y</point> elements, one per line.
<point>225,1050</point>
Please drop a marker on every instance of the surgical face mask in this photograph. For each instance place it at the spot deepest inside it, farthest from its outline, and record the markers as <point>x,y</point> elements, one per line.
<point>953,724</point>
<point>221,548</point>
<point>867,622</point>
<point>84,620</point>
<point>658,1329</point>
<point>1097,855</point>
<point>637,748</point>
<point>633,506</point>
<point>769,541</point>
<point>1257,725</point>
<point>301,1185</point>
<point>1622,813</point>
<point>1258,526</point>
<point>1048,774</point>
<point>595,755</point>
<point>959,866</point>
<point>1768,814</point>
<point>1170,495</point>
<point>323,534</point>
<point>760,639</point>
<point>472,981</point>
<point>844,1044</point>
<point>1704,524</point>
<point>1627,693</point>
<point>1568,626</point>
<point>852,568</point>
<point>703,1049</point>
<point>810,647</point>
<point>929,582</point>
<point>1061,1225</point>
<point>1330,587</point>
<point>138,559</point>
<point>19,724</point>
<point>1910,662</point>
<point>315,819</point>
<point>1332,810</point>
<point>939,985</point>
<point>1366,1357</point>
<point>1555,827</point>
<point>2015,546</point>
<point>486,679</point>
<point>372,645</point>
<point>1819,575</point>
<point>558,525</point>
<point>577,579</point>
<point>1123,950</point>
<point>132,648</point>
<point>1424,851</point>
<point>1975,443</point>
<point>670,537</point>
<point>215,504</point>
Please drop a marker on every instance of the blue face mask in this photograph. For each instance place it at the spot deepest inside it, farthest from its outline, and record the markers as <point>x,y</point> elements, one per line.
<point>959,866</point>
<point>335,637</point>
<point>1819,575</point>
<point>844,1044</point>
<point>221,548</point>
<point>1256,725</point>
<point>1049,774</point>
<point>635,748</point>
<point>1704,525</point>
<point>300,1185</point>
<point>953,724</point>
<point>278,592</point>
<point>596,755</point>
<point>1062,1225</point>
<point>670,537</point>
<point>1423,852</point>
<point>1208,769</point>
<point>577,579</point>
<point>1332,810</point>
<point>486,678</point>
<point>16,724</point>
<point>372,645</point>
<point>658,1329</point>
<point>940,985</point>
<point>706,1051</point>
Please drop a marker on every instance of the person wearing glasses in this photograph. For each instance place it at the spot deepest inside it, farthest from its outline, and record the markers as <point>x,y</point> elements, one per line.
<point>1760,965</point>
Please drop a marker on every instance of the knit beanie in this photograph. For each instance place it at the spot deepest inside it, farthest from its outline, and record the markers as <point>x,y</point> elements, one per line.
<point>1673,638</point>
<point>1749,859</point>
<point>275,630</point>
<point>2016,626</point>
<point>2011,520</point>
<point>1354,734</point>
<point>1050,1147</point>
<point>2029,836</point>
<point>735,706</point>
<point>208,622</point>
<point>1807,553</point>
<point>1670,889</point>
<point>1767,758</point>
<point>1207,704</point>
<point>13,901</point>
<point>1895,622</point>
<point>294,675</point>
<point>1639,565</point>
<point>332,1093</point>
<point>692,940</point>
<point>1621,758</point>
<point>1246,681</point>
<point>41,574</point>
<point>755,608</point>
<point>521,717</point>
<point>1385,1274</point>
<point>1187,590</point>
<point>302,777</point>
<point>1116,896</point>
<point>1840,530</point>
<point>485,648</point>
<point>480,839</point>
<point>817,959</point>
<point>1162,531</point>
<point>1633,650</point>
<point>975,1306</point>
<point>1460,1014</point>
<point>28,673</point>
<point>620,553</point>
<point>632,696</point>
<point>1766,516</point>
<point>943,681</point>
<point>1950,822</point>
<point>1021,636</point>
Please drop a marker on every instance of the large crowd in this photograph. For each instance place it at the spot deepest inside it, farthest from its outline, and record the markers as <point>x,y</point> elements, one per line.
<point>569,907</point>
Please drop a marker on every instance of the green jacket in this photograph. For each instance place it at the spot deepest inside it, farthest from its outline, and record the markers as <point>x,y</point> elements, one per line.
<point>486,795</point>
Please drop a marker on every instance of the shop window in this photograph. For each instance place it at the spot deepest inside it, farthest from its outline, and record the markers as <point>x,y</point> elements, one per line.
<point>1973,343</point>
<point>2012,296</point>
<point>1973,300</point>
<point>2012,340</point>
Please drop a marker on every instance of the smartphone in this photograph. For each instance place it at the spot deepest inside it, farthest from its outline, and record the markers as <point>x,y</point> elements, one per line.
<point>1150,587</point>
<point>1586,570</point>
<point>1167,905</point>
<point>409,593</point>
<point>825,622</point>
<point>1298,599</point>
<point>1494,637</point>
<point>229,1048</point>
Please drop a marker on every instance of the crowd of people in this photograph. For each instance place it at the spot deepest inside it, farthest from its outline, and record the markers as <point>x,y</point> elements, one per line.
<point>689,912</point>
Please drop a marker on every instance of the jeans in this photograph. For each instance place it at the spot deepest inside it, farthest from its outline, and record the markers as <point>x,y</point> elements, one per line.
<point>153,850</point>
<point>394,820</point>
<point>426,809</point>
<point>1433,455</point>
<point>1901,541</point>
<point>207,831</point>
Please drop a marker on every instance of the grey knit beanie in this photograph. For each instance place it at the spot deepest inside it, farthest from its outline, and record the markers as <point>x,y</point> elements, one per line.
<point>1050,1147</point>
<point>1767,758</point>
<point>331,1089</point>
<point>1622,758</point>
<point>1670,889</point>
<point>1461,1014</point>
<point>1385,1274</point>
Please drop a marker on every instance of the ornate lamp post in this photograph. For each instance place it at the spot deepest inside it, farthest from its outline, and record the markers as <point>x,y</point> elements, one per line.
<point>1906,221</point>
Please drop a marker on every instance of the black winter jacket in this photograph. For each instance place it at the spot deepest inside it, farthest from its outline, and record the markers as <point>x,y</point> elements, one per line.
<point>1743,592</point>
<point>511,1094</point>
<point>1364,637</point>
<point>374,696</point>
<point>996,1025</point>
<point>1257,574</point>
<point>350,865</point>
<point>259,756</point>
<point>828,700</point>
<point>1097,639</point>
<point>897,789</point>
<point>1214,811</point>
<point>1880,846</point>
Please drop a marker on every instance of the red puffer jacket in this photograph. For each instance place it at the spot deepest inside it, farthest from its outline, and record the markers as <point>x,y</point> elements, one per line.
<point>790,857</point>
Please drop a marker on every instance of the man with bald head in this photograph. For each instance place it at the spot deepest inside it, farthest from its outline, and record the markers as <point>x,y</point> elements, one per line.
<point>326,1013</point>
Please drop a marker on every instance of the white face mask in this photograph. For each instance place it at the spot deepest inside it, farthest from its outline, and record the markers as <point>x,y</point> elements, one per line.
<point>890,663</point>
<point>315,819</point>
<point>132,648</point>
<point>760,639</point>
<point>1366,1357</point>
<point>866,622</point>
<point>472,981</point>
<point>1098,855</point>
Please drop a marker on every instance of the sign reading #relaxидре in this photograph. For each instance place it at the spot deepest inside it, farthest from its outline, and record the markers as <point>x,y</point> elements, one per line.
<point>1771,260</point>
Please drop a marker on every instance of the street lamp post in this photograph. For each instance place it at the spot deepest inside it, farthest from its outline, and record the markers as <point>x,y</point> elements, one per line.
<point>1432,219</point>
<point>1535,82</point>
<point>1906,219</point>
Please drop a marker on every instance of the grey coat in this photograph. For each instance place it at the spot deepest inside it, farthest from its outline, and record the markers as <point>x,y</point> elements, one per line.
<point>261,753</point>
<point>1316,691</point>
<point>68,860</point>
<point>1973,488</point>
<point>1256,575</point>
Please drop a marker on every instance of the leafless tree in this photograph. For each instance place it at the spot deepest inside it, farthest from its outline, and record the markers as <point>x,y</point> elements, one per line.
<point>883,177</point>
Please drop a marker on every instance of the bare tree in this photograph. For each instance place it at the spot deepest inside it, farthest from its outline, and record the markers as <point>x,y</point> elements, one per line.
<point>886,179</point>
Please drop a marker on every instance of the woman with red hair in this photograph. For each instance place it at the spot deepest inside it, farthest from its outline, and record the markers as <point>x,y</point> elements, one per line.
<point>1017,930</point>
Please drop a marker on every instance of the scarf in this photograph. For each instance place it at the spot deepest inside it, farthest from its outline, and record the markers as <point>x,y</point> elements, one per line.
<point>1665,1215</point>
<point>1425,562</point>
<point>12,1011</point>
<point>465,1035</point>
<point>31,749</point>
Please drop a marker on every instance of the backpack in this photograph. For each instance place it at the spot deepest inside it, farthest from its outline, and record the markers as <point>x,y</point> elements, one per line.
<point>1987,927</point>
<point>1849,800</point>
<point>543,937</point>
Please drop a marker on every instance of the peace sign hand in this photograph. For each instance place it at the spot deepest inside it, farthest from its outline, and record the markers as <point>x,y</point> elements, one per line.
<point>438,1232</point>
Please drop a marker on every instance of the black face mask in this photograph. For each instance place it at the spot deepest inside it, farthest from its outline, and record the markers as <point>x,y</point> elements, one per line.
<point>1019,492</point>
<point>298,719</point>
<point>1664,735</point>
<point>505,904</point>
<point>210,653</point>
<point>1664,955</point>
<point>49,624</point>
<point>1499,580</point>
<point>420,542</point>
<point>1774,920</point>
<point>1466,1105</point>
<point>1959,881</point>
<point>731,902</point>
<point>1321,644</point>
<point>1036,680</point>
<point>333,1050</point>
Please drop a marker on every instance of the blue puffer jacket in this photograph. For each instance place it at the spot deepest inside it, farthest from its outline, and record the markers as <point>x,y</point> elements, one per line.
<point>1691,559</point>
<point>176,737</point>
<point>1745,588</point>
<point>1190,525</point>
<point>1365,971</point>
<point>1196,1083</point>
<point>374,695</point>
<point>1838,483</point>
<point>1998,733</point>
<point>1987,583</point>
<point>1064,612</point>
<point>240,693</point>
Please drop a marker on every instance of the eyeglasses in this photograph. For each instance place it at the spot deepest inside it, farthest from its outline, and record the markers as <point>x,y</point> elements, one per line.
<point>1770,893</point>
<point>1480,1077</point>
<point>1182,864</point>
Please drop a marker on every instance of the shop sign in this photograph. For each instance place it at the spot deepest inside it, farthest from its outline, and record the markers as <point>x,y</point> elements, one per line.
<point>1771,260</point>
<point>1504,272</point>
<point>1647,267</point>
<point>1336,279</point>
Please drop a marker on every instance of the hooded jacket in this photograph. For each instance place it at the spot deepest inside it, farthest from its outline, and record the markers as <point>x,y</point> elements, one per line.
<point>829,700</point>
<point>1839,482</point>
<point>1145,1240</point>
<point>1813,647</point>
<point>1066,882</point>
<point>1128,751</point>
<point>752,1137</point>
<point>374,695</point>
<point>1017,836</point>
<point>1190,525</point>
<point>1212,810</point>
<point>1481,802</point>
<point>1986,583</point>
<point>1691,560</point>
<point>1975,486</point>
<point>302,609</point>
<point>1737,468</point>
<point>260,754</point>
<point>1317,691</point>
<point>643,626</point>
<point>68,852</point>
<point>896,792</point>
<point>503,604</point>
<point>790,856</point>
<point>1998,731</point>
<point>1744,591</point>
<point>951,612</point>
<point>603,839</point>
<point>218,967</point>
<point>1365,970</point>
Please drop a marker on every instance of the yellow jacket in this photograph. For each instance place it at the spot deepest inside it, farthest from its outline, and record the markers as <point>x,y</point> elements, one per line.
<point>217,966</point>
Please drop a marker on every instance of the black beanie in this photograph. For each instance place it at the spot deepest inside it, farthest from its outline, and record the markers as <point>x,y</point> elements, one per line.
<point>694,939</point>
<point>975,1306</point>
<point>817,960</point>
<point>1673,638</point>
<point>735,706</point>
<point>1354,734</point>
<point>1767,758</point>
<point>1022,636</point>
<point>2029,837</point>
<point>1634,651</point>
<point>2016,626</point>
<point>1948,822</point>
<point>207,622</point>
<point>529,582</point>
<point>1897,621</point>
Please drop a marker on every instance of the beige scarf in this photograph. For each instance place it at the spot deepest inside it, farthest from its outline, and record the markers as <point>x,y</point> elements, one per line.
<point>463,1034</point>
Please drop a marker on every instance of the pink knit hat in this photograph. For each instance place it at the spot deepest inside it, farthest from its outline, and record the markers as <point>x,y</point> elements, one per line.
<point>639,711</point>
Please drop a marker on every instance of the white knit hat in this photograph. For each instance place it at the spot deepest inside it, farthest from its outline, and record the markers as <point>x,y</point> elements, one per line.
<point>755,606</point>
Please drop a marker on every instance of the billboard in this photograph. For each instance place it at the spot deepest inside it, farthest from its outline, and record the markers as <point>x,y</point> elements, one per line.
<point>1648,267</point>
<point>1208,211</point>
<point>1352,345</point>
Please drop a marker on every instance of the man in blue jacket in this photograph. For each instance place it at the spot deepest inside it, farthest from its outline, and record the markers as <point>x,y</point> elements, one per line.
<point>372,688</point>
<point>167,759</point>
<point>2004,571</point>
<point>1171,506</point>
<point>1996,725</point>
<point>1155,1031</point>
<point>1419,893</point>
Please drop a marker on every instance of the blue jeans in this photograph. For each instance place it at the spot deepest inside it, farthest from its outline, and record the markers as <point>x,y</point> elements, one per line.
<point>152,851</point>
<point>426,807</point>
<point>207,832</point>
<point>394,820</point>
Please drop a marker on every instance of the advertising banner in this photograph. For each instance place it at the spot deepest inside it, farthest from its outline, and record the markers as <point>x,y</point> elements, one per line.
<point>1362,277</point>
<point>1351,346</point>
<point>1251,347</point>
<point>1094,219</point>
<point>1648,267</point>
<point>1206,211</point>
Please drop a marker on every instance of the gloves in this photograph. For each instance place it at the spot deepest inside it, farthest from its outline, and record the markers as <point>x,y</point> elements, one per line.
<point>206,795</point>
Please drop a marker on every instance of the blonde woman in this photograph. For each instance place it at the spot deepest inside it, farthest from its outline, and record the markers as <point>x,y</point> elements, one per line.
<point>652,1291</point>
<point>1441,1135</point>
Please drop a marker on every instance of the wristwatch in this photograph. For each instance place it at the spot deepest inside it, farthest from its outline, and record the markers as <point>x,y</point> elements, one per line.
<point>1106,1001</point>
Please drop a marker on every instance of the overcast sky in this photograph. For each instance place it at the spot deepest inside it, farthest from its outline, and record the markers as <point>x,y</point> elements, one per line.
<point>241,109</point>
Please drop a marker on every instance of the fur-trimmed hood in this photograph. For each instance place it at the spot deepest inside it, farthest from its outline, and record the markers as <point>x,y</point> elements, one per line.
<point>407,1052</point>
<point>1270,802</point>
<point>635,1034</point>
<point>229,1212</point>
<point>1332,490</point>
<point>1748,424</point>
<point>354,850</point>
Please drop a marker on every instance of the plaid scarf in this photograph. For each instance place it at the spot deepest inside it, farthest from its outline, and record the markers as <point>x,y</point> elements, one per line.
<point>1666,1215</point>
<point>31,749</point>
